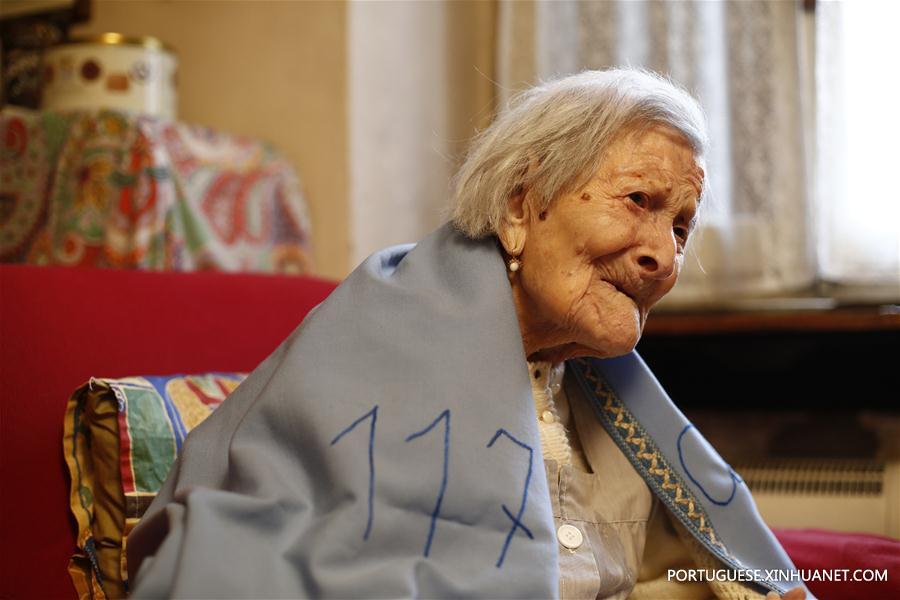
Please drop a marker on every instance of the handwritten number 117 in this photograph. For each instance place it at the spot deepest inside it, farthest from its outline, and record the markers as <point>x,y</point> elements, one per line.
<point>516,519</point>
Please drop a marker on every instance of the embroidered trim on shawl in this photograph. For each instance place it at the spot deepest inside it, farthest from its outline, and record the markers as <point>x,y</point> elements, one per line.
<point>644,454</point>
<point>637,444</point>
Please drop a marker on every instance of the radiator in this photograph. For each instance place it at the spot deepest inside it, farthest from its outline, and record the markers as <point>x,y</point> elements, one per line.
<point>844,495</point>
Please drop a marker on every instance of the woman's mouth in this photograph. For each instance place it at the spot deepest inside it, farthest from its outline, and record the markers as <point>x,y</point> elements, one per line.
<point>619,289</point>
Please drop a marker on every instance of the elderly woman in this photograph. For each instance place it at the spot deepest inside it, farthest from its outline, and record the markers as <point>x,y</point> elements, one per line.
<point>393,445</point>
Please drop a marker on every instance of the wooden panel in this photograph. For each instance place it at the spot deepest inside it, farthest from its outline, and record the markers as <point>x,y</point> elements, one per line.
<point>880,318</point>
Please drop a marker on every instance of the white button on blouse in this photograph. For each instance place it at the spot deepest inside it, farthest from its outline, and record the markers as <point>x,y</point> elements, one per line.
<point>570,536</point>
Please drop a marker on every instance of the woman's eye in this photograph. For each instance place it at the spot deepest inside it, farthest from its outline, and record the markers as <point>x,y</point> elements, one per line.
<point>681,235</point>
<point>639,198</point>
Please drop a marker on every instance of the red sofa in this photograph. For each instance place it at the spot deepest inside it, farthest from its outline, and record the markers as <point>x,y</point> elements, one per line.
<point>59,327</point>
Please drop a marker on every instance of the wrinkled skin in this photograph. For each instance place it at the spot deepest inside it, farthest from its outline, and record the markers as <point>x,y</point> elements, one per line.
<point>597,259</point>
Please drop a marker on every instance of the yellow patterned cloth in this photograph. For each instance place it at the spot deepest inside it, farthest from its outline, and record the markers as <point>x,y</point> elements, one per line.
<point>121,437</point>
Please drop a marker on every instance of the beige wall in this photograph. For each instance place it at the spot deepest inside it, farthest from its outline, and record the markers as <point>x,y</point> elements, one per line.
<point>271,70</point>
<point>471,38</point>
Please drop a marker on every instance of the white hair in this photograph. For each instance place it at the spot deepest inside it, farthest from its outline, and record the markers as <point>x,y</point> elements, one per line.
<point>551,138</point>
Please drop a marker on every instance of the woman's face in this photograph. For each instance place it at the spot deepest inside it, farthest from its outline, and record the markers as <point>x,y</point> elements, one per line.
<point>597,260</point>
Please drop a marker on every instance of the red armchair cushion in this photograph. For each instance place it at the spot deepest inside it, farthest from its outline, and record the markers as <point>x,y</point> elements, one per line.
<point>816,549</point>
<point>59,327</point>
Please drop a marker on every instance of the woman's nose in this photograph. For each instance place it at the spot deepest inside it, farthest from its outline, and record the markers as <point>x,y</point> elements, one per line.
<point>656,256</point>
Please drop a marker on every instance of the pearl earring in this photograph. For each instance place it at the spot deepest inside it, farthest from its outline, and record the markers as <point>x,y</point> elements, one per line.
<point>514,264</point>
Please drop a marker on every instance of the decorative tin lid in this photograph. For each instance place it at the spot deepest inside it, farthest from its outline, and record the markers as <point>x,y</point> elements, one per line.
<point>118,39</point>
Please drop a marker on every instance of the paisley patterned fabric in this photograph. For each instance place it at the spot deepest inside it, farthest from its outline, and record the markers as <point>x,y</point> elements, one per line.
<point>110,189</point>
<point>120,439</point>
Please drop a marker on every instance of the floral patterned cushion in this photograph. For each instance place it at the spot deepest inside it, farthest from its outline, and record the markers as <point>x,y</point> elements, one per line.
<point>121,437</point>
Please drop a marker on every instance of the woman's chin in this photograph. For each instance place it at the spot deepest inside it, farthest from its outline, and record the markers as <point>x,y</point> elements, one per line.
<point>621,342</point>
<point>616,333</point>
<point>619,349</point>
<point>605,348</point>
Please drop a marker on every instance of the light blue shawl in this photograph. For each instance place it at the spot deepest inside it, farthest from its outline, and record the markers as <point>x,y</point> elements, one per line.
<point>389,448</point>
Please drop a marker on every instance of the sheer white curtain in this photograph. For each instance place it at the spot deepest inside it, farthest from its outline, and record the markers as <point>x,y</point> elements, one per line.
<point>858,134</point>
<point>751,63</point>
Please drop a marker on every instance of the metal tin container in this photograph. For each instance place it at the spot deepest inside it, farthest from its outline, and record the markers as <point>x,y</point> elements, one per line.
<point>111,71</point>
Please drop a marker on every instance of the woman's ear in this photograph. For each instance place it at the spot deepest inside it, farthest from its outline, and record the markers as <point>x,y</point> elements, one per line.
<point>517,217</point>
<point>516,222</point>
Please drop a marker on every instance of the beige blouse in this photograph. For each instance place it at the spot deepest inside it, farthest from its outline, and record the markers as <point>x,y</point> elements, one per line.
<point>616,540</point>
